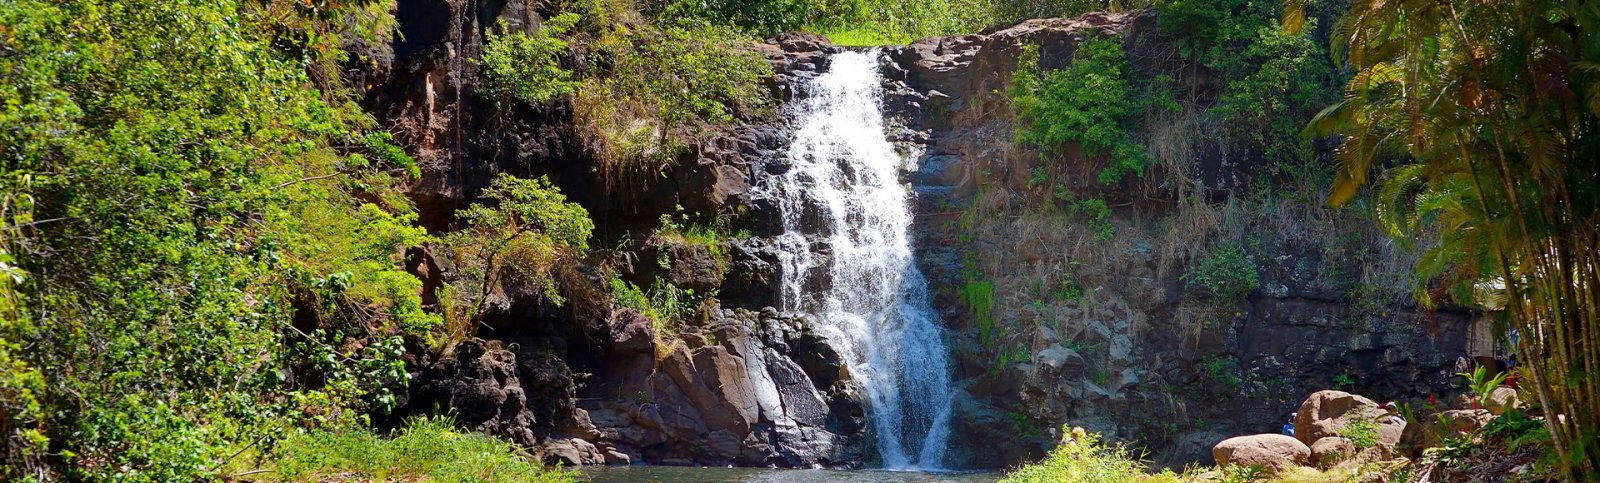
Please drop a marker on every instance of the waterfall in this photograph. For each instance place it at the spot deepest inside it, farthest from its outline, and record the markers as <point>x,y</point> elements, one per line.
<point>846,258</point>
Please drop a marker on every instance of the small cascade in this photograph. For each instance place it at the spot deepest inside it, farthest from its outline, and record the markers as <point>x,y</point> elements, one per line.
<point>847,259</point>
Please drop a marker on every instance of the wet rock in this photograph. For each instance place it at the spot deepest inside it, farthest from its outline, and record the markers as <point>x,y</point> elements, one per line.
<point>744,395</point>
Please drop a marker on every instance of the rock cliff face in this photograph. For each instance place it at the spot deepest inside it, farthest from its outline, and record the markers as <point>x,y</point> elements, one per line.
<point>1138,356</point>
<point>587,382</point>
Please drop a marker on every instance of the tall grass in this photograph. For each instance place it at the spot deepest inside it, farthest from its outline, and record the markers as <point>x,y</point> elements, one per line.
<point>427,449</point>
<point>1088,459</point>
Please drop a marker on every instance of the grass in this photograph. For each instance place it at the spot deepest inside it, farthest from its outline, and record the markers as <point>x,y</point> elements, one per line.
<point>860,37</point>
<point>1088,459</point>
<point>427,449</point>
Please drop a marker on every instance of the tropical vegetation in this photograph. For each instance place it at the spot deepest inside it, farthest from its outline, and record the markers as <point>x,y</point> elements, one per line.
<point>1481,116</point>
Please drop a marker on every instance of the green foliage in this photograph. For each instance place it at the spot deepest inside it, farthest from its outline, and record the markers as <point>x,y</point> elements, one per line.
<point>1023,425</point>
<point>1067,288</point>
<point>667,305</point>
<point>1361,431</point>
<point>1225,272</point>
<point>1006,12</point>
<point>1343,381</point>
<point>1273,79</point>
<point>527,234</point>
<point>977,291</point>
<point>527,67</point>
<point>1090,102</point>
<point>713,235</point>
<point>1093,211</point>
<point>1087,459</point>
<point>426,449</point>
<point>1480,385</point>
<point>1507,180</point>
<point>180,180</point>
<point>1098,214</point>
<point>1289,79</point>
<point>1222,371</point>
<point>649,92</point>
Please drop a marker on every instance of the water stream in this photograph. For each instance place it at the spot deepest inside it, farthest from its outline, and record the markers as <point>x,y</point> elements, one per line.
<point>847,259</point>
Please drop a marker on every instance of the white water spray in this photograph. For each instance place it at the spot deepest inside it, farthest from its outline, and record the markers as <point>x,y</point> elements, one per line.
<point>843,188</point>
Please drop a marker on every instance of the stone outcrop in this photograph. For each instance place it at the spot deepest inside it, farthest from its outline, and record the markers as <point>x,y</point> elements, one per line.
<point>1139,356</point>
<point>749,389</point>
<point>1272,452</point>
<point>586,382</point>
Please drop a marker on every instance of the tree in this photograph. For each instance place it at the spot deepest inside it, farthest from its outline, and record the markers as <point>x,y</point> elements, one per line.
<point>1489,108</point>
<point>528,232</point>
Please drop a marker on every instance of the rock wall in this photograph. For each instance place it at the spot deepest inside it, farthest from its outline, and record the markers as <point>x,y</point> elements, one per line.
<point>1139,356</point>
<point>586,382</point>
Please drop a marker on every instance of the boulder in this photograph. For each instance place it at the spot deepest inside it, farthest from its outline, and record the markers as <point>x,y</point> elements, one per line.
<point>1432,431</point>
<point>1061,362</point>
<point>1331,450</point>
<point>631,333</point>
<point>1501,400</point>
<point>1324,413</point>
<point>1272,452</point>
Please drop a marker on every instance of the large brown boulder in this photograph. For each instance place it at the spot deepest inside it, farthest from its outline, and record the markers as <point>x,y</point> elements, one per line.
<point>1272,452</point>
<point>1326,413</point>
<point>1434,429</point>
<point>1331,450</point>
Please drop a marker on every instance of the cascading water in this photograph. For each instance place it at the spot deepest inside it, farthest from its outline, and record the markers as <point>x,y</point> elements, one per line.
<point>846,213</point>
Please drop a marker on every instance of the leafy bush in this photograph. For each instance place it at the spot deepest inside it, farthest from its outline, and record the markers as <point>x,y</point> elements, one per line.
<point>427,449</point>
<point>1089,102</point>
<point>523,66</point>
<point>522,238</point>
<point>1225,272</point>
<point>1273,80</point>
<point>977,291</point>
<point>181,182</point>
<point>1362,432</point>
<point>667,305</point>
<point>1087,459</point>
<point>1223,371</point>
<point>652,90</point>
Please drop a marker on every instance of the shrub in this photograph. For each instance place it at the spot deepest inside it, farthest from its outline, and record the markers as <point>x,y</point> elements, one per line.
<point>527,67</point>
<point>977,291</point>
<point>1362,432</point>
<point>521,238</point>
<point>182,180</point>
<point>426,449</point>
<point>1089,102</point>
<point>1225,272</point>
<point>1087,459</point>
<point>1273,80</point>
<point>652,90</point>
<point>1223,371</point>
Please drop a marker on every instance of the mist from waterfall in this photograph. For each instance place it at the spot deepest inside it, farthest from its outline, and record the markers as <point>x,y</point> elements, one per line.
<point>847,259</point>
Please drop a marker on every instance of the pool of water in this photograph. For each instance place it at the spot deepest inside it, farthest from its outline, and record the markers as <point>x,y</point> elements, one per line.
<point>681,474</point>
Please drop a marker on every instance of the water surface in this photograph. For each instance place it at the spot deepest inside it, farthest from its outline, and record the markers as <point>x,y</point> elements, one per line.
<point>689,474</point>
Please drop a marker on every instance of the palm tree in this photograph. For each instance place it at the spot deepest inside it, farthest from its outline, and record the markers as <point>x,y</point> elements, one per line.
<point>1488,110</point>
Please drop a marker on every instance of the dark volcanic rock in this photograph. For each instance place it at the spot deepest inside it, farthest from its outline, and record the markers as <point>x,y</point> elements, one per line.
<point>738,397</point>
